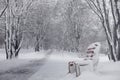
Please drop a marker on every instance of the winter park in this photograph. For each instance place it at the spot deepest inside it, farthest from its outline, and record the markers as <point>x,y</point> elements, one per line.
<point>59,39</point>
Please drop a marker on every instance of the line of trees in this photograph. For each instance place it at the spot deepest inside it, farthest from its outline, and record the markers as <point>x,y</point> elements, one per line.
<point>109,15</point>
<point>14,12</point>
<point>68,25</point>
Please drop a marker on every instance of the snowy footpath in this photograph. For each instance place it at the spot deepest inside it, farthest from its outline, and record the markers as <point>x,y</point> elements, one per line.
<point>53,65</point>
<point>57,69</point>
<point>23,67</point>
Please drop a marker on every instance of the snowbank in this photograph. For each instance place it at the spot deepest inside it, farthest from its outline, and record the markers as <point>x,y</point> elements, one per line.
<point>23,59</point>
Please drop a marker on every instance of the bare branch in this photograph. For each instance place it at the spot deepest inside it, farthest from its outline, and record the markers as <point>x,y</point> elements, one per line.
<point>97,8</point>
<point>90,5</point>
<point>3,10</point>
<point>111,2</point>
<point>25,7</point>
<point>100,9</point>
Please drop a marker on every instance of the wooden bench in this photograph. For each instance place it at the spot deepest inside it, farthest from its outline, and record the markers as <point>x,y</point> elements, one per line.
<point>91,59</point>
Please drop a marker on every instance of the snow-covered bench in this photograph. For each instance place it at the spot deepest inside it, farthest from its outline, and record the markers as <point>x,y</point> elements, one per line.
<point>93,52</point>
<point>91,59</point>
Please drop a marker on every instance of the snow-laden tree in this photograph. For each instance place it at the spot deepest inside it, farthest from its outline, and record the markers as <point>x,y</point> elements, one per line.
<point>14,13</point>
<point>108,13</point>
<point>70,13</point>
<point>37,23</point>
<point>72,25</point>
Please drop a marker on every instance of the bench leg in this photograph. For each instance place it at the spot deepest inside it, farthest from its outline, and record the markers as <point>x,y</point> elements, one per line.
<point>77,70</point>
<point>71,67</point>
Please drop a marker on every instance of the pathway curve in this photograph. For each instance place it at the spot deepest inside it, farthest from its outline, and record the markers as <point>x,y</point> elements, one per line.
<point>23,72</point>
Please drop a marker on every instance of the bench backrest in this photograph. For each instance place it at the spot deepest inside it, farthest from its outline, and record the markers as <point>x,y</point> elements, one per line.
<point>93,51</point>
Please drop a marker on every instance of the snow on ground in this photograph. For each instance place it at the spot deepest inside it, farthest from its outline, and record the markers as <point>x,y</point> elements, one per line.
<point>56,66</point>
<point>2,54</point>
<point>8,64</point>
<point>25,57</point>
<point>25,54</point>
<point>106,71</point>
<point>57,69</point>
<point>32,55</point>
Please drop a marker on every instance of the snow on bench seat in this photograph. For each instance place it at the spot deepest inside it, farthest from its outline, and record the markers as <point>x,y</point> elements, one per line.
<point>91,59</point>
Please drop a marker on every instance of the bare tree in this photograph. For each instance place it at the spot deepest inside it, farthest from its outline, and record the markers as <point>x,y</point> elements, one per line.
<point>75,21</point>
<point>13,35</point>
<point>37,22</point>
<point>108,13</point>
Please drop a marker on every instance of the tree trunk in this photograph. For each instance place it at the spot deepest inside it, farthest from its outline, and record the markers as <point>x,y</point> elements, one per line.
<point>8,32</point>
<point>13,40</point>
<point>112,52</point>
<point>118,56</point>
<point>37,46</point>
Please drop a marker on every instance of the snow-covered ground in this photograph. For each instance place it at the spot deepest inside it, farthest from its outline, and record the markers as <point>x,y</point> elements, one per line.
<point>25,57</point>
<point>25,54</point>
<point>56,66</point>
<point>57,69</point>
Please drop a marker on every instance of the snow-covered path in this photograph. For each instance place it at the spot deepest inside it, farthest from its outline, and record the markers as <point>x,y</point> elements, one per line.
<point>57,69</point>
<point>24,70</point>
